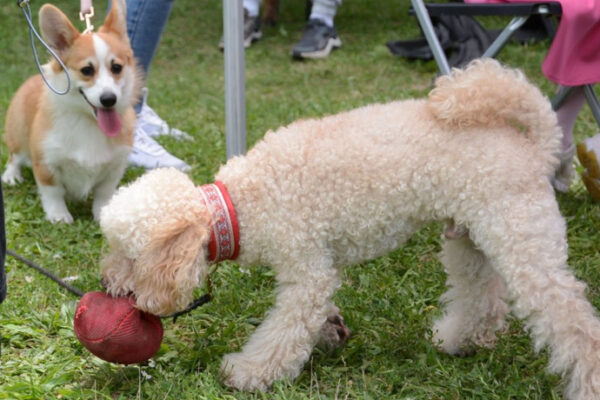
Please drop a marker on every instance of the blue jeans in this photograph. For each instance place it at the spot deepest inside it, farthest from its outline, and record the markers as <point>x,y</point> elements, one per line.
<point>146,20</point>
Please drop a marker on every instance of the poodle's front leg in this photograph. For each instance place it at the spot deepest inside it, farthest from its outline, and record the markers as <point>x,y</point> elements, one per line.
<point>334,332</point>
<point>282,344</point>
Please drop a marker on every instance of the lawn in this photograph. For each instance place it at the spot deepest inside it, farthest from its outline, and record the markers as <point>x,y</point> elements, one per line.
<point>388,303</point>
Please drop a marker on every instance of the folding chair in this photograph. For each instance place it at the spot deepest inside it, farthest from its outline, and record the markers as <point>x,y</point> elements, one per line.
<point>520,12</point>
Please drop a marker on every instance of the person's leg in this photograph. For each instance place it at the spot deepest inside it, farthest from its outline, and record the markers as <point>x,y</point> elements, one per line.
<point>588,151</point>
<point>324,10</point>
<point>252,6</point>
<point>566,114</point>
<point>146,20</point>
<point>320,36</point>
<point>252,30</point>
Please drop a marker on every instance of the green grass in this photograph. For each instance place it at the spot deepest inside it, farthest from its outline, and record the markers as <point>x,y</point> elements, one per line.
<point>388,303</point>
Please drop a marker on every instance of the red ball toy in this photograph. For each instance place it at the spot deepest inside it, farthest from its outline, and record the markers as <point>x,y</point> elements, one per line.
<point>114,330</point>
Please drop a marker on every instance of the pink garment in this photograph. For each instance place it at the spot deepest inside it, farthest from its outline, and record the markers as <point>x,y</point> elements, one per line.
<point>574,56</point>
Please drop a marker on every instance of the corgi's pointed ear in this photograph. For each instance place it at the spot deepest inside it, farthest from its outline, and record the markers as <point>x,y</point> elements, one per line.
<point>116,20</point>
<point>56,28</point>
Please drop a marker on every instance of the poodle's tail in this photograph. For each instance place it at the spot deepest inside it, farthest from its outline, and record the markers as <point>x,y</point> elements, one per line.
<point>485,93</point>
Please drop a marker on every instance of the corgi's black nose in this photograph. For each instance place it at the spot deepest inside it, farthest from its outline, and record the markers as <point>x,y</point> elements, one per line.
<point>108,99</point>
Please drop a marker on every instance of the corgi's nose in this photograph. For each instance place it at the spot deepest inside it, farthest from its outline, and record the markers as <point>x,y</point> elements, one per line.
<point>108,99</point>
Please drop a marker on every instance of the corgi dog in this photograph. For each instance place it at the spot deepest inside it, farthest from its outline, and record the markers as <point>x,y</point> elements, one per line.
<point>77,143</point>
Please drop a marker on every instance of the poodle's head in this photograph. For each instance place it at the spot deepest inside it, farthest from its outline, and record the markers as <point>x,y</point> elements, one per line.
<point>157,230</point>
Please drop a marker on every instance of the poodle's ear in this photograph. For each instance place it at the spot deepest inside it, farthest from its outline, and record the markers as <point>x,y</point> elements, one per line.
<point>170,268</point>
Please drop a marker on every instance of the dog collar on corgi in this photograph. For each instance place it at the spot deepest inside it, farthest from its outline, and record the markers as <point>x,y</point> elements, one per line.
<point>224,243</point>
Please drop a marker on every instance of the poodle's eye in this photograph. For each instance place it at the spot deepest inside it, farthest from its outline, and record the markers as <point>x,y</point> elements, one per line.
<point>88,70</point>
<point>116,68</point>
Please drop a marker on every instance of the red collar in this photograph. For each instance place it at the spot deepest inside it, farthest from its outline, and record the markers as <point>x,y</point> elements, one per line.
<point>224,243</point>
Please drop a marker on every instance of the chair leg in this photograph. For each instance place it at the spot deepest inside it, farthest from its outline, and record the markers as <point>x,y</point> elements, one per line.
<point>593,102</point>
<point>560,96</point>
<point>429,32</point>
<point>502,39</point>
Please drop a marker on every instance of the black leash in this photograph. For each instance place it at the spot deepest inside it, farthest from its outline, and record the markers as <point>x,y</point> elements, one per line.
<point>193,305</point>
<point>49,274</point>
<point>196,303</point>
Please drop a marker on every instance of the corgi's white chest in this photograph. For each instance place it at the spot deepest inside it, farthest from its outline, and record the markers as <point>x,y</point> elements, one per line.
<point>79,155</point>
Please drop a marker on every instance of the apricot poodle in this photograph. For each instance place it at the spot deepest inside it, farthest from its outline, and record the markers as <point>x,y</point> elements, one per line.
<point>319,194</point>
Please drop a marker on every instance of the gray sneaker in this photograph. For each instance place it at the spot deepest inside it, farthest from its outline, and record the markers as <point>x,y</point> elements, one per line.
<point>318,40</point>
<point>252,31</point>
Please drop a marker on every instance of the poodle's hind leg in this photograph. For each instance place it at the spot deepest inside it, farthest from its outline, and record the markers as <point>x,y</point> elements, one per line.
<point>282,344</point>
<point>528,249</point>
<point>475,304</point>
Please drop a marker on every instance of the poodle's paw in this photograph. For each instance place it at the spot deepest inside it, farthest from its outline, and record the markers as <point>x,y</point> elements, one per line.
<point>486,338</point>
<point>334,332</point>
<point>450,337</point>
<point>241,372</point>
<point>116,288</point>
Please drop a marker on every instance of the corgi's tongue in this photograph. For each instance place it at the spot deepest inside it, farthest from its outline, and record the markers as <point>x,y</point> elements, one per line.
<point>108,121</point>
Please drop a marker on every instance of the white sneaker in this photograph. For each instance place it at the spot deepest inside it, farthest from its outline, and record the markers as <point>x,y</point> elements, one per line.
<point>147,153</point>
<point>154,125</point>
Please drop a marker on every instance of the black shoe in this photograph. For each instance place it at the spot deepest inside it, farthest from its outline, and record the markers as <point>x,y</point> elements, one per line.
<point>318,40</point>
<point>252,31</point>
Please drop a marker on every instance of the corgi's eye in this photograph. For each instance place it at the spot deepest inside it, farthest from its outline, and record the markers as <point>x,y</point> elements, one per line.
<point>116,68</point>
<point>88,70</point>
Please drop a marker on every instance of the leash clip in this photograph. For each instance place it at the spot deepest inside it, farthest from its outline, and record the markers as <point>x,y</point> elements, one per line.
<point>87,16</point>
<point>22,3</point>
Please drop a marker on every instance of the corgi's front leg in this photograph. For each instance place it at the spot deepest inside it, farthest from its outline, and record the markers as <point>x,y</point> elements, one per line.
<point>12,170</point>
<point>53,202</point>
<point>52,193</point>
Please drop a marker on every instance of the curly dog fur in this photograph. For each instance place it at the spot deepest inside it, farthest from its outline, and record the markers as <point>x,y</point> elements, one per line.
<point>320,194</point>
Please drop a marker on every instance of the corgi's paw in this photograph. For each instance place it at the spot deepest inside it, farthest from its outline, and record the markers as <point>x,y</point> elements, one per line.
<point>60,217</point>
<point>12,176</point>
